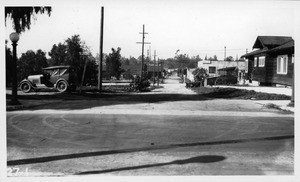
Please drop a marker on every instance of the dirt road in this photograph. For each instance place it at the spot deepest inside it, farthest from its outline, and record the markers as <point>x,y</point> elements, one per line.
<point>171,85</point>
<point>169,131</point>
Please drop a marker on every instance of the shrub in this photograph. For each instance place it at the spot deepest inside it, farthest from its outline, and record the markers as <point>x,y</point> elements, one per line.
<point>140,85</point>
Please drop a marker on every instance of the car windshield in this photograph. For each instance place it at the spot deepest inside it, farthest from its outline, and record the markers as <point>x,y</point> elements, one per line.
<point>48,72</point>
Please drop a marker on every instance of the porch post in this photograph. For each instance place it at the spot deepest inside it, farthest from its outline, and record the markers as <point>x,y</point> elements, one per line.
<point>293,88</point>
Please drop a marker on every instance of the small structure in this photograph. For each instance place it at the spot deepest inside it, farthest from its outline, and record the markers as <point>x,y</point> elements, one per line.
<point>229,71</point>
<point>131,71</point>
<point>272,62</point>
<point>155,69</point>
<point>217,68</point>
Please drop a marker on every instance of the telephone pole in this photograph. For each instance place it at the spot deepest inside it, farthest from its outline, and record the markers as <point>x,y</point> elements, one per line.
<point>225,53</point>
<point>149,61</point>
<point>143,43</point>
<point>101,52</point>
<point>154,67</point>
<point>158,71</point>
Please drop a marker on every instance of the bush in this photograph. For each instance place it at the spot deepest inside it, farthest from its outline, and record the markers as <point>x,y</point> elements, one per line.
<point>226,80</point>
<point>140,85</point>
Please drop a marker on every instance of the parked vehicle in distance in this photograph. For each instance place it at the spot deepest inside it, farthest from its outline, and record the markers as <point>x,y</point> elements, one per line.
<point>61,78</point>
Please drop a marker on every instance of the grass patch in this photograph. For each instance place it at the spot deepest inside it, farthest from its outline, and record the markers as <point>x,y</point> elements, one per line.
<point>233,93</point>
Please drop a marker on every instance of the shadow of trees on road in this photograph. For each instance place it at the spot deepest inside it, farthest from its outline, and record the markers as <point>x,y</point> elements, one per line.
<point>70,101</point>
<point>130,150</point>
<point>198,159</point>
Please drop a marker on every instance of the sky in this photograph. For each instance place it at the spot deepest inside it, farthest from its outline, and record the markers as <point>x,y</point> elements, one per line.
<point>194,27</point>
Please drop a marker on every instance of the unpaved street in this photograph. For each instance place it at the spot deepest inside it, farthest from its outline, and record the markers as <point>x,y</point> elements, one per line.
<point>169,131</point>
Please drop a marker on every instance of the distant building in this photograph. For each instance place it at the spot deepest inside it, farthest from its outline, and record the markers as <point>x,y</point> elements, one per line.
<point>131,71</point>
<point>155,69</point>
<point>272,62</point>
<point>212,67</point>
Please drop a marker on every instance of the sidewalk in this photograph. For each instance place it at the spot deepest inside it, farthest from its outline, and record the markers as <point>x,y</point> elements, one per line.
<point>271,90</point>
<point>282,104</point>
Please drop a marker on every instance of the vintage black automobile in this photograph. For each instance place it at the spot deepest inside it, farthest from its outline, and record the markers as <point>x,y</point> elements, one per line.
<point>61,78</point>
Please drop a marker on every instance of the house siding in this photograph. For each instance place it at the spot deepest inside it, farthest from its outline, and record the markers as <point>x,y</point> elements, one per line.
<point>259,73</point>
<point>276,45</point>
<point>284,79</point>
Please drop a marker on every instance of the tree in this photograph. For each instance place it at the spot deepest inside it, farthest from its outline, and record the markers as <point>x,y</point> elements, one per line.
<point>133,60</point>
<point>75,53</point>
<point>21,16</point>
<point>113,63</point>
<point>31,63</point>
<point>200,74</point>
<point>229,58</point>
<point>215,58</point>
<point>91,74</point>
<point>58,54</point>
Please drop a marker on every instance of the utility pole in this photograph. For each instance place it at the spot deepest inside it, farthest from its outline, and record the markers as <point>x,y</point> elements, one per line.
<point>292,103</point>
<point>83,74</point>
<point>158,71</point>
<point>225,54</point>
<point>143,43</point>
<point>162,68</point>
<point>154,67</point>
<point>101,52</point>
<point>149,61</point>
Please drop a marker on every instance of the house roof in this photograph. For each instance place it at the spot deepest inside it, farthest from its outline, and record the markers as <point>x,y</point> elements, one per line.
<point>288,45</point>
<point>270,41</point>
<point>271,44</point>
<point>227,69</point>
<point>253,53</point>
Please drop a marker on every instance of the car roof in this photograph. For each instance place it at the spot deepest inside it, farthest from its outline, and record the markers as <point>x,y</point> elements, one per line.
<point>56,67</point>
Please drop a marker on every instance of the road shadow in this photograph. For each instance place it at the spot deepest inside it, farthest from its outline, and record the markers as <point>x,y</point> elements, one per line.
<point>70,101</point>
<point>143,149</point>
<point>198,159</point>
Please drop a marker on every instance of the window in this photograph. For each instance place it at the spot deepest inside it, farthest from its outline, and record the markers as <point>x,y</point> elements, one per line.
<point>282,64</point>
<point>255,62</point>
<point>293,58</point>
<point>63,71</point>
<point>212,69</point>
<point>55,72</point>
<point>261,61</point>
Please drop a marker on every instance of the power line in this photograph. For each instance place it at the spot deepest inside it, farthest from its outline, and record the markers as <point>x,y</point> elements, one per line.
<point>216,50</point>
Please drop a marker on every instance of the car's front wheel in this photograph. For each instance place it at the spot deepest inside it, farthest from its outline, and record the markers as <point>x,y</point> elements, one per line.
<point>25,87</point>
<point>62,86</point>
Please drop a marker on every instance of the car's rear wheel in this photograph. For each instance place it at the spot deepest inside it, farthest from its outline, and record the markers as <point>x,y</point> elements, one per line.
<point>25,87</point>
<point>62,86</point>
